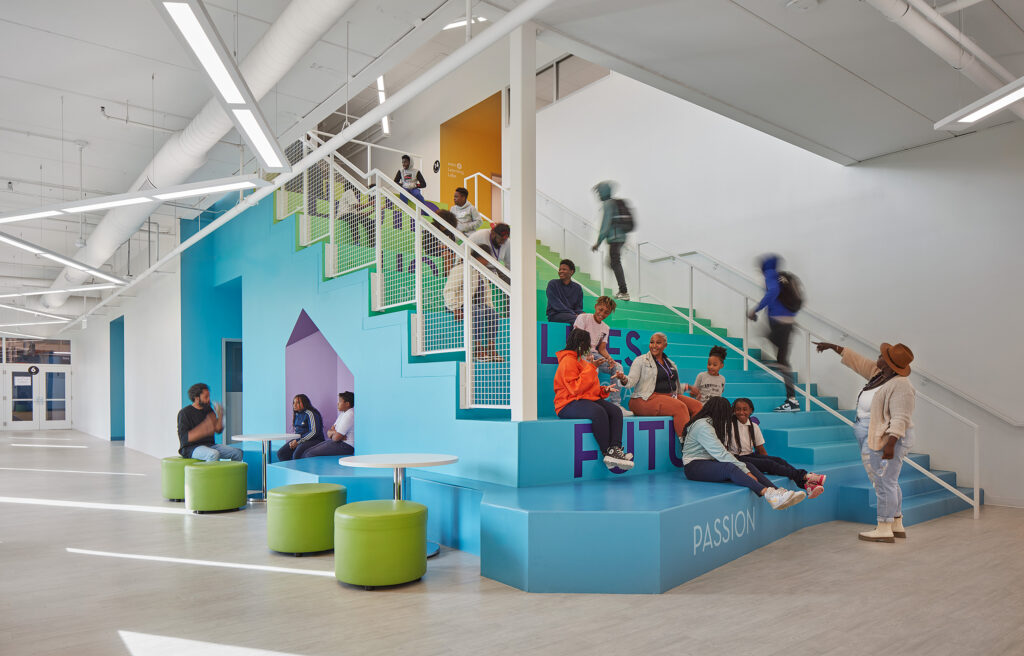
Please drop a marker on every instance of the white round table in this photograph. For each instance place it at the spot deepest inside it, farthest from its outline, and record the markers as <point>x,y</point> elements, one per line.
<point>266,439</point>
<point>398,462</point>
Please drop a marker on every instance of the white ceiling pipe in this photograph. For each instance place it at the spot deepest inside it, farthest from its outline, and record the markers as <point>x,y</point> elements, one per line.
<point>954,33</point>
<point>919,27</point>
<point>296,31</point>
<point>957,5</point>
<point>500,29</point>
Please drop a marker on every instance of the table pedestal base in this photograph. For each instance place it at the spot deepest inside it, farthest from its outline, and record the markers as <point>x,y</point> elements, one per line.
<point>433,549</point>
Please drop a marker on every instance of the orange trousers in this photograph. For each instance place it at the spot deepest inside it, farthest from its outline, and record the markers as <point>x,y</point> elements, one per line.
<point>680,408</point>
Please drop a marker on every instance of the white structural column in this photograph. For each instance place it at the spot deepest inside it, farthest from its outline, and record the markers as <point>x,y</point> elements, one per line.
<point>523,220</point>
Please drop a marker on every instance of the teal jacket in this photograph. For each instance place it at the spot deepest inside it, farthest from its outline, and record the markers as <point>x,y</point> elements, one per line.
<point>609,232</point>
<point>702,443</point>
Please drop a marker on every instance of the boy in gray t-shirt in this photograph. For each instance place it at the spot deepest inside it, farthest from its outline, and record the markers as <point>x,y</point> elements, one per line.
<point>710,383</point>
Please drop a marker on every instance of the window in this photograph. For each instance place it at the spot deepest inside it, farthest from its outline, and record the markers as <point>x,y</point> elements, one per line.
<point>38,351</point>
<point>574,74</point>
<point>546,87</point>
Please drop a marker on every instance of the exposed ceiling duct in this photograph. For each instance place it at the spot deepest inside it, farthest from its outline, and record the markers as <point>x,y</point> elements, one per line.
<point>296,31</point>
<point>948,43</point>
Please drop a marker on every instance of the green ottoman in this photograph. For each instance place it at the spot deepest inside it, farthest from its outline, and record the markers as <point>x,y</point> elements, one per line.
<point>172,477</point>
<point>217,485</point>
<point>380,542</point>
<point>300,518</point>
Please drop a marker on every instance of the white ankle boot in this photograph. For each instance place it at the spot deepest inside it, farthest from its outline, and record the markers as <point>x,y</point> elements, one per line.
<point>897,528</point>
<point>883,533</point>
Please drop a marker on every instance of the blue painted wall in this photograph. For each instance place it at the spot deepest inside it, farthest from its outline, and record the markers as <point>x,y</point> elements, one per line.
<point>117,379</point>
<point>403,406</point>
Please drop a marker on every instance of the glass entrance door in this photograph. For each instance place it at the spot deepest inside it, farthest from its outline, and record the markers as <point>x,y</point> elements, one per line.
<point>38,401</point>
<point>52,402</point>
<point>21,406</point>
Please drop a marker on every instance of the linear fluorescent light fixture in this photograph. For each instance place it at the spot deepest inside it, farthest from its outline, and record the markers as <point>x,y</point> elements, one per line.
<point>190,190</point>
<point>69,290</point>
<point>385,124</point>
<point>462,23</point>
<point>35,312</point>
<point>979,109</point>
<point>39,251</point>
<point>192,22</point>
<point>31,323</point>
<point>10,332</point>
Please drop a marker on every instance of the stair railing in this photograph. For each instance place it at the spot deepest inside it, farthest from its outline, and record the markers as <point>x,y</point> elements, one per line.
<point>476,177</point>
<point>420,270</point>
<point>740,287</point>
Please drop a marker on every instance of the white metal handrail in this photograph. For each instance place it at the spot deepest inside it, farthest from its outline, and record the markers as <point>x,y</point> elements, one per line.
<point>808,336</point>
<point>476,194</point>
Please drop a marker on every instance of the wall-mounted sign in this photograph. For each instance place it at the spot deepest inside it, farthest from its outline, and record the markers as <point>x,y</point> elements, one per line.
<point>22,380</point>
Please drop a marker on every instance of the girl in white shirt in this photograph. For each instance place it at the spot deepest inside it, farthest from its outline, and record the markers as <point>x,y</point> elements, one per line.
<point>746,442</point>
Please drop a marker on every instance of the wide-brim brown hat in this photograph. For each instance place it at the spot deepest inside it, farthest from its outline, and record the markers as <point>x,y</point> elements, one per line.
<point>898,357</point>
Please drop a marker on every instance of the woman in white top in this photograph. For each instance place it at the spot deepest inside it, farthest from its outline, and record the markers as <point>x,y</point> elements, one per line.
<point>884,428</point>
<point>657,390</point>
<point>341,436</point>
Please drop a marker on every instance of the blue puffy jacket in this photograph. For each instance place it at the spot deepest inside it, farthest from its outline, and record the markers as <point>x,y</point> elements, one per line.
<point>771,295</point>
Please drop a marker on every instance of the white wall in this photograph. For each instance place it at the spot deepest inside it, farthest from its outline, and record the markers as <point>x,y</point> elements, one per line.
<point>152,363</point>
<point>919,247</point>
<point>90,379</point>
<point>152,368</point>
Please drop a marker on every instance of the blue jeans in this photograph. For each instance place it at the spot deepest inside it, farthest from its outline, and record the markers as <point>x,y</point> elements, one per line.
<point>214,452</point>
<point>615,396</point>
<point>884,474</point>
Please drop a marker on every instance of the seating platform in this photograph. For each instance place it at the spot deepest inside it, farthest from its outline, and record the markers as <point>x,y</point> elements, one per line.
<point>659,528</point>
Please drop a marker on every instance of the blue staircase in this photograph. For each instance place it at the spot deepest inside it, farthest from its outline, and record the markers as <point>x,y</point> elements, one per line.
<point>567,516</point>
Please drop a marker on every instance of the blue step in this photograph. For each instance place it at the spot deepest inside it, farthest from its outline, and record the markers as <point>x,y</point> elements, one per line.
<point>776,438</point>
<point>822,453</point>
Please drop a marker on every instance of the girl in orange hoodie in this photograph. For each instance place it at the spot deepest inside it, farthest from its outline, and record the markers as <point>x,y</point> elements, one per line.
<point>579,395</point>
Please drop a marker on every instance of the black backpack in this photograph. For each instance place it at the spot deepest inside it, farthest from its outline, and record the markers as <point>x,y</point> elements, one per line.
<point>623,218</point>
<point>791,291</point>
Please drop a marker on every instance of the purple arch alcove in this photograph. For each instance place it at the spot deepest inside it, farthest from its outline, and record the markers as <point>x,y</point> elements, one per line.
<point>313,368</point>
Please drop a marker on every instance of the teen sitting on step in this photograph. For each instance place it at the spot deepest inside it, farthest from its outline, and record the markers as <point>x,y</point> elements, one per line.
<point>705,457</point>
<point>579,395</point>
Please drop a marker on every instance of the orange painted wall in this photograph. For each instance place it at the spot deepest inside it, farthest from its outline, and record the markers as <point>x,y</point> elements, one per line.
<point>471,142</point>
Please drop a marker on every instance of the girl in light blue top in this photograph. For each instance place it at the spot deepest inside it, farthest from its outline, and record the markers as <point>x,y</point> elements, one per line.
<point>705,457</point>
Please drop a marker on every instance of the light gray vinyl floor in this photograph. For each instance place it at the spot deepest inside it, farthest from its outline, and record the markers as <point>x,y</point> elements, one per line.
<point>108,568</point>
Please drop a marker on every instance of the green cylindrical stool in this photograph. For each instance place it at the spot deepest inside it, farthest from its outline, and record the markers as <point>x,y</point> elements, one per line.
<point>380,542</point>
<point>217,485</point>
<point>172,477</point>
<point>300,518</point>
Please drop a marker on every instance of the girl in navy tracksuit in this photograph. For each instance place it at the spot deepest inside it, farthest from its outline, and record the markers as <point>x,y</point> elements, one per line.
<point>307,425</point>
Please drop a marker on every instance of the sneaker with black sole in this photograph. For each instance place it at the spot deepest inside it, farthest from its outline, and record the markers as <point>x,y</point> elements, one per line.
<point>791,405</point>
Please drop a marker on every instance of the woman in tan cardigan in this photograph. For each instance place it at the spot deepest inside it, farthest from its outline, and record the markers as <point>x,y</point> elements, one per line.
<point>884,429</point>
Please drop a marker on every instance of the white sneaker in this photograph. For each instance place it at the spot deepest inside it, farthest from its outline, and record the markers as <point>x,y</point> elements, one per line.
<point>781,499</point>
<point>622,296</point>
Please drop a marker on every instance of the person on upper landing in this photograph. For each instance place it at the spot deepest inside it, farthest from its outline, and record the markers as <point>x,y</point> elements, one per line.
<point>565,297</point>
<point>781,321</point>
<point>411,179</point>
<point>198,426</point>
<point>467,215</point>
<point>613,234</point>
